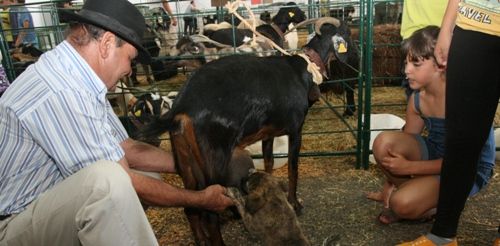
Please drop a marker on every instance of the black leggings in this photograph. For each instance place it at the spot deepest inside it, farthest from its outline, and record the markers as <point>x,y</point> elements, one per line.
<point>472,93</point>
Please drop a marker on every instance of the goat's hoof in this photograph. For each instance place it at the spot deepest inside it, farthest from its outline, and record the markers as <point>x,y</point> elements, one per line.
<point>349,112</point>
<point>297,207</point>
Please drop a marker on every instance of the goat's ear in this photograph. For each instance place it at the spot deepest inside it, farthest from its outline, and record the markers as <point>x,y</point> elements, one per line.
<point>314,93</point>
<point>254,202</point>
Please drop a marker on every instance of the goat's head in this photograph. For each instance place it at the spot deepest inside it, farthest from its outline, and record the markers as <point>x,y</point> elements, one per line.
<point>190,53</point>
<point>152,41</point>
<point>331,41</point>
<point>342,42</point>
<point>290,13</point>
<point>265,17</point>
<point>197,50</point>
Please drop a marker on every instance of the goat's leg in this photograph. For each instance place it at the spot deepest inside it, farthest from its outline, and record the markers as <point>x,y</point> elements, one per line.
<point>132,79</point>
<point>213,224</point>
<point>194,216</point>
<point>148,74</point>
<point>185,160</point>
<point>294,143</point>
<point>350,107</point>
<point>267,153</point>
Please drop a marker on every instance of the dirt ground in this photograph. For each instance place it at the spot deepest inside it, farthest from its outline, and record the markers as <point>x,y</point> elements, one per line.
<point>332,190</point>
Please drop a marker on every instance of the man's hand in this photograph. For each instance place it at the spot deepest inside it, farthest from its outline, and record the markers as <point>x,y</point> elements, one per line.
<point>214,198</point>
<point>173,20</point>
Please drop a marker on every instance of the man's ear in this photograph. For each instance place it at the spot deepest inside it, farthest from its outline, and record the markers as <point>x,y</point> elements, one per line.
<point>106,43</point>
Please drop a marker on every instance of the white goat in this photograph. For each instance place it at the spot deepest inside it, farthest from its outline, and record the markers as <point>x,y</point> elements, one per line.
<point>292,38</point>
<point>280,146</point>
<point>123,97</point>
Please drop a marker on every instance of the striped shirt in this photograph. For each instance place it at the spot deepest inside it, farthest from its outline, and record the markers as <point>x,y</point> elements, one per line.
<point>54,120</point>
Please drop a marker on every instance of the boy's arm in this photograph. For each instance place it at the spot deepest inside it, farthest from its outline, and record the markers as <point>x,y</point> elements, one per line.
<point>397,164</point>
<point>414,123</point>
<point>22,33</point>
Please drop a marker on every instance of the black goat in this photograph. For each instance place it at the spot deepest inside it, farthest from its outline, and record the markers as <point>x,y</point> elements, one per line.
<point>154,39</point>
<point>344,66</point>
<point>231,103</point>
<point>196,50</point>
<point>290,13</point>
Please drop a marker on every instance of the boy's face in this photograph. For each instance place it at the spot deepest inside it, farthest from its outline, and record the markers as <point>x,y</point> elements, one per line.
<point>422,72</point>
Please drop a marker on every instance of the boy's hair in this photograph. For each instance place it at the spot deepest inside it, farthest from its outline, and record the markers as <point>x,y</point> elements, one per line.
<point>421,44</point>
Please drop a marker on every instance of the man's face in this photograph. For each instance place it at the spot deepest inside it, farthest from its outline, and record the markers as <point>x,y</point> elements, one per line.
<point>118,64</point>
<point>7,2</point>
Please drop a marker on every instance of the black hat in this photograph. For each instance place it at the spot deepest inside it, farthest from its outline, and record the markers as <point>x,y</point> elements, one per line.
<point>117,16</point>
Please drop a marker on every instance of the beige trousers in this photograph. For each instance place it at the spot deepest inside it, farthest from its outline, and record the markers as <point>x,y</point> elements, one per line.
<point>95,206</point>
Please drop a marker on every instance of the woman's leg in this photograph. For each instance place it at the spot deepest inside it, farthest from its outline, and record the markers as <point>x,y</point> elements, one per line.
<point>472,92</point>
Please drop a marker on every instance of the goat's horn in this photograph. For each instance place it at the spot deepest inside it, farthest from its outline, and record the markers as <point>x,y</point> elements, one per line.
<point>324,20</point>
<point>301,24</point>
<point>242,24</point>
<point>203,38</point>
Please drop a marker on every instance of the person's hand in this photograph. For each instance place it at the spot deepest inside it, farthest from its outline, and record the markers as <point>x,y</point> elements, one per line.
<point>442,48</point>
<point>173,21</point>
<point>396,163</point>
<point>214,198</point>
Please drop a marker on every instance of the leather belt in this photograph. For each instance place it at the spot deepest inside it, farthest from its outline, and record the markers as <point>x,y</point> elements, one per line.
<point>2,217</point>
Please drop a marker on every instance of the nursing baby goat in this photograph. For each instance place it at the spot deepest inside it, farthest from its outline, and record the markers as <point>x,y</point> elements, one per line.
<point>233,102</point>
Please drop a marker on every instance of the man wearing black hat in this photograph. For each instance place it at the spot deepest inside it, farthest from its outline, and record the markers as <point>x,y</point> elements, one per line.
<point>65,158</point>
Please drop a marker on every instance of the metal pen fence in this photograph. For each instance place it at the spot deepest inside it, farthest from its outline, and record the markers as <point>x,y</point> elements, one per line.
<point>361,15</point>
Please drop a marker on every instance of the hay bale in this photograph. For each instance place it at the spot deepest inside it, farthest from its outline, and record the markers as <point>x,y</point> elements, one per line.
<point>387,55</point>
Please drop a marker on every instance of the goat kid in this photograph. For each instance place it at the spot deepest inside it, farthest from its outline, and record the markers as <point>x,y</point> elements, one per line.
<point>272,94</point>
<point>266,212</point>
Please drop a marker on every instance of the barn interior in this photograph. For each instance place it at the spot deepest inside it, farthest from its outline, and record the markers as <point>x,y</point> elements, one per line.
<point>335,168</point>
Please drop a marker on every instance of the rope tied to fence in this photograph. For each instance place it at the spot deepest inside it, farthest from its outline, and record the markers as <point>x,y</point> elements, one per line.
<point>232,7</point>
